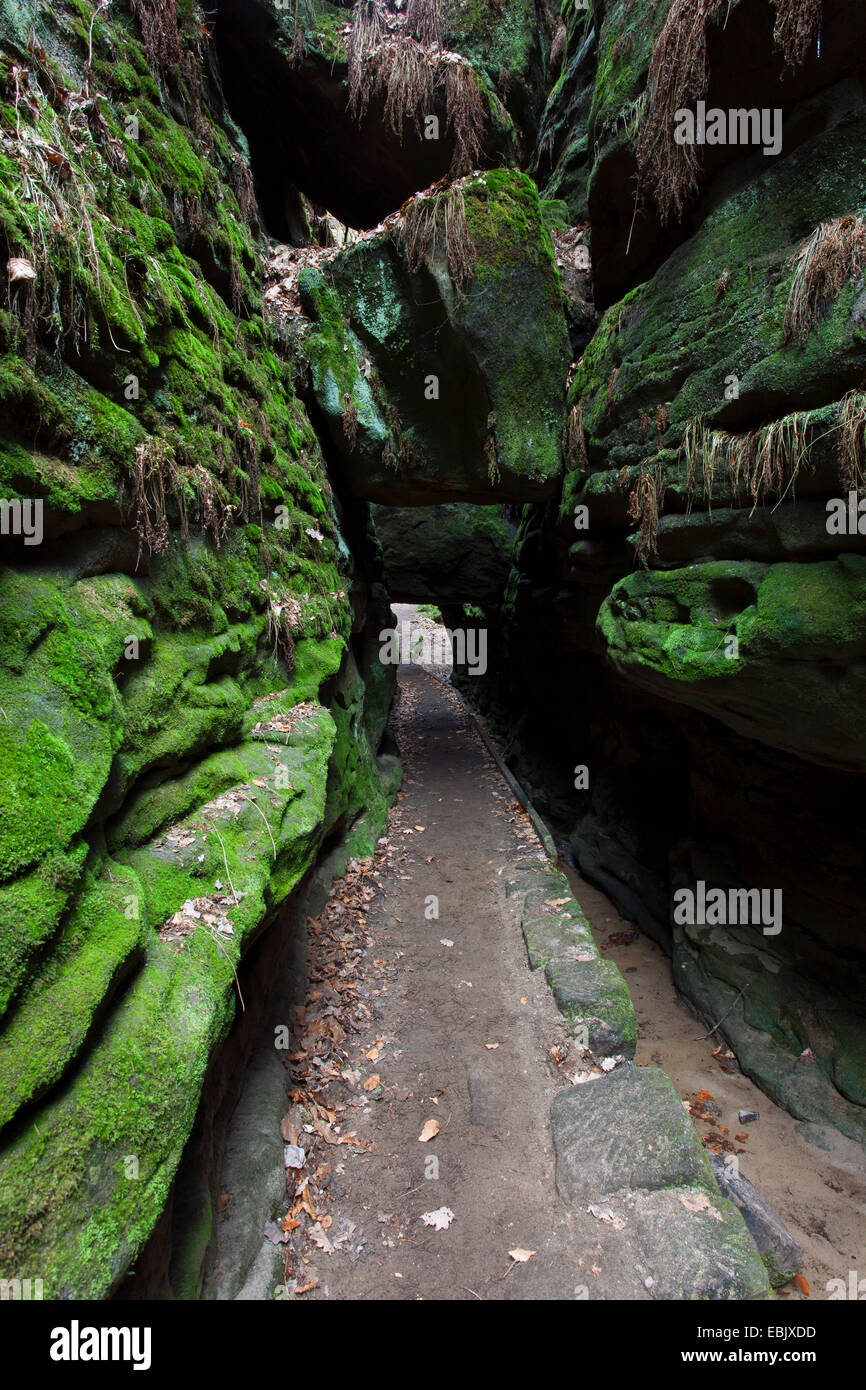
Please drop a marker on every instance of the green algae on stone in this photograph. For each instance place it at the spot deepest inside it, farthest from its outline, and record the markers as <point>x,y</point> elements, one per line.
<point>752,645</point>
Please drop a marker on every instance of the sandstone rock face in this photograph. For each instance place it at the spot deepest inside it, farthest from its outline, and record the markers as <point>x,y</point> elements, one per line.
<point>191,699</point>
<point>184,718</point>
<point>699,588</point>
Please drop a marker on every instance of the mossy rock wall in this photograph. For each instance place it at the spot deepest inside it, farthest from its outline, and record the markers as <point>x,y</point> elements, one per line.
<point>182,718</point>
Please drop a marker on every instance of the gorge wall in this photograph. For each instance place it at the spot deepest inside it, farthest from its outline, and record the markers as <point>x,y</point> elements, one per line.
<point>689,615</point>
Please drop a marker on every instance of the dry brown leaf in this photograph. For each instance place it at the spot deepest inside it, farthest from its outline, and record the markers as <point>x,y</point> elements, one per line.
<point>372,1082</point>
<point>695,1201</point>
<point>430,1130</point>
<point>289,1129</point>
<point>521,1256</point>
<point>491,1047</point>
<point>19,269</point>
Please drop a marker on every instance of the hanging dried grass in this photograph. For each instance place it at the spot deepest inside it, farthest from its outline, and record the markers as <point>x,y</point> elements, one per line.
<point>465,121</point>
<point>798,22</point>
<point>425,21</point>
<point>645,506</point>
<point>834,254</point>
<point>852,442</point>
<point>437,225</point>
<point>678,79</point>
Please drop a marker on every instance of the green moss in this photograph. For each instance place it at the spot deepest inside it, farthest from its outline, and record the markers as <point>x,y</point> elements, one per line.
<point>98,738</point>
<point>97,945</point>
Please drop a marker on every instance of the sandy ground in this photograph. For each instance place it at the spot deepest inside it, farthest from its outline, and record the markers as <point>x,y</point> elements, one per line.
<point>820,1196</point>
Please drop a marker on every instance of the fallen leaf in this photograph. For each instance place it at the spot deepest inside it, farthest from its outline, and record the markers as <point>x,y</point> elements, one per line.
<point>440,1220</point>
<point>699,1201</point>
<point>703,1096</point>
<point>289,1129</point>
<point>430,1130</point>
<point>607,1215</point>
<point>19,269</point>
<point>802,1285</point>
<point>372,1055</point>
<point>695,1201</point>
<point>372,1082</point>
<point>319,1238</point>
<point>491,1047</point>
<point>521,1256</point>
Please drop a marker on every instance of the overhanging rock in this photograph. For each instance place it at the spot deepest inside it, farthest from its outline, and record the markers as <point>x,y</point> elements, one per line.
<point>434,393</point>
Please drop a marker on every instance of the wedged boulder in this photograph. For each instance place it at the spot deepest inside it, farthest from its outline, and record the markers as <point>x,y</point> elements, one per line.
<point>434,393</point>
<point>450,554</point>
<point>774,651</point>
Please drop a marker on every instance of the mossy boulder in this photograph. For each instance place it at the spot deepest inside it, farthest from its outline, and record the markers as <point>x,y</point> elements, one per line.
<point>775,651</point>
<point>437,393</point>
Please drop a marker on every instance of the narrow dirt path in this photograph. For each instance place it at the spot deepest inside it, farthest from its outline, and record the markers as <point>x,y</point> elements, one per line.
<point>460,1033</point>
